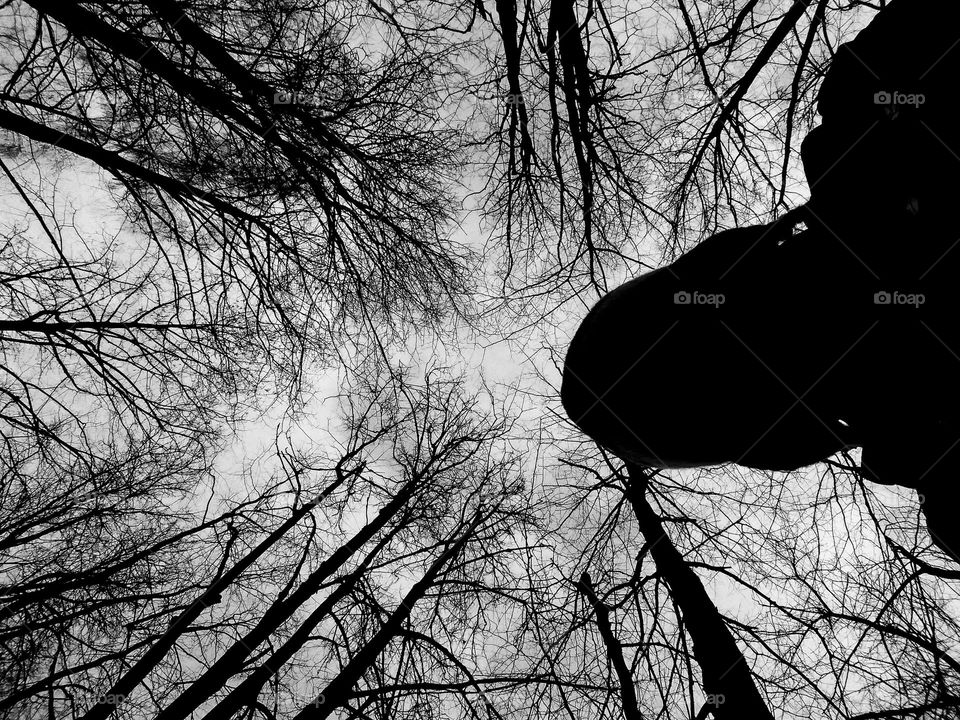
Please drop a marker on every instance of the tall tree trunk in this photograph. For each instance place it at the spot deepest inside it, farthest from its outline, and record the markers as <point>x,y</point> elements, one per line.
<point>727,681</point>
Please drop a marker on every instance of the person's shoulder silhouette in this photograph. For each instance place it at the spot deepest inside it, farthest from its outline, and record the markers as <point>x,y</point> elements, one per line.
<point>889,141</point>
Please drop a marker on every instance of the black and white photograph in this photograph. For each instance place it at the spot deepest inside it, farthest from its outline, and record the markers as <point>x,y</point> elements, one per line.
<point>479,359</point>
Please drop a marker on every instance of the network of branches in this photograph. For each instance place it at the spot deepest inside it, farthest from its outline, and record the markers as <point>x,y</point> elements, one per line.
<point>248,466</point>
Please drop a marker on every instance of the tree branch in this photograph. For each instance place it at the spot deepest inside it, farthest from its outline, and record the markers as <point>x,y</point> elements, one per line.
<point>726,676</point>
<point>628,694</point>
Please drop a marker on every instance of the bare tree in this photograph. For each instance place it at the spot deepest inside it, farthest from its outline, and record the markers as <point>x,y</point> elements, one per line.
<point>219,613</point>
<point>292,189</point>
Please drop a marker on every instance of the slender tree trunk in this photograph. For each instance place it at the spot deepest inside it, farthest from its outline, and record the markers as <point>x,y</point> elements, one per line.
<point>135,675</point>
<point>231,662</point>
<point>246,693</point>
<point>338,690</point>
<point>727,681</point>
<point>628,694</point>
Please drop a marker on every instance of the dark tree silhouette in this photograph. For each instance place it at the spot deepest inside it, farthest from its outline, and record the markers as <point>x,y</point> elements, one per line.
<point>235,239</point>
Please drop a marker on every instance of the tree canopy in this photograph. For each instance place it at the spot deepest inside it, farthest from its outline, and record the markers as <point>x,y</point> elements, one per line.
<point>286,289</point>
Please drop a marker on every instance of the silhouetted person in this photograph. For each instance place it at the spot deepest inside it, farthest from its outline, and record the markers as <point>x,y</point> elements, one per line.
<point>776,349</point>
